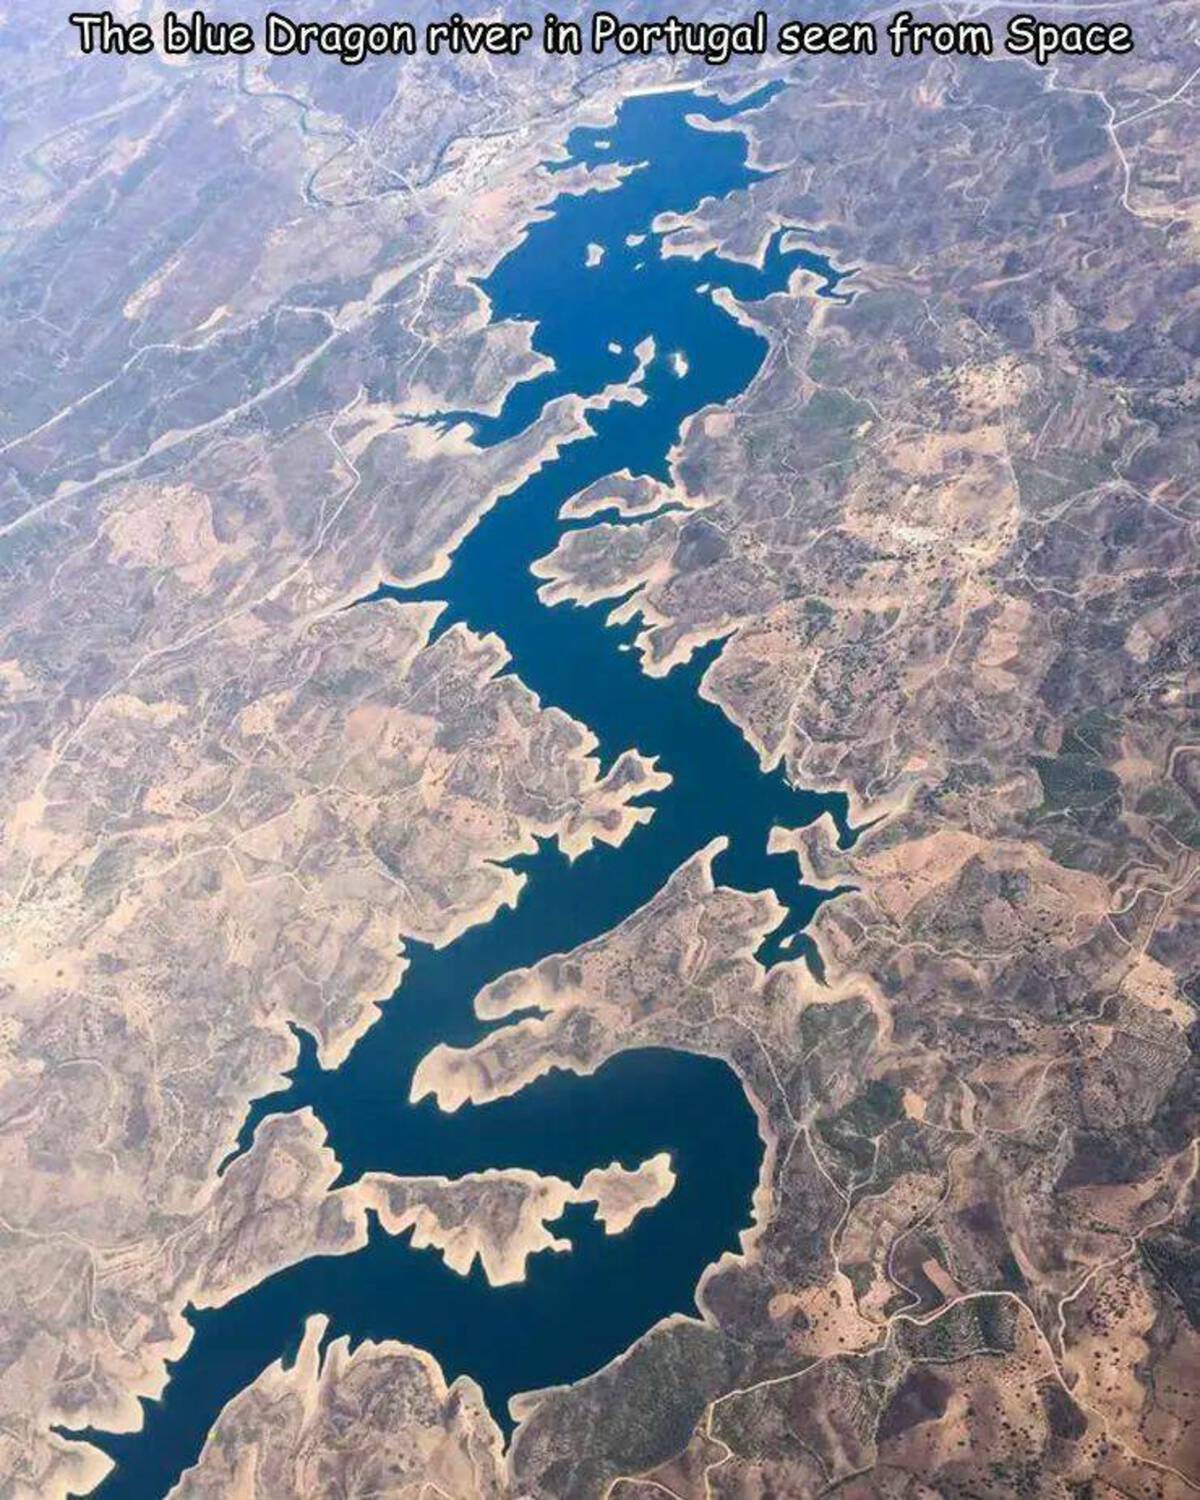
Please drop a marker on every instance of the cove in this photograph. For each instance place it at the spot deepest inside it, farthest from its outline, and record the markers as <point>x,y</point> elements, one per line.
<point>575,1311</point>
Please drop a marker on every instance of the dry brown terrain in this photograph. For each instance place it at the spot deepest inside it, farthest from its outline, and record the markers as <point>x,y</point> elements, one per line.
<point>950,537</point>
<point>230,799</point>
<point>378,1419</point>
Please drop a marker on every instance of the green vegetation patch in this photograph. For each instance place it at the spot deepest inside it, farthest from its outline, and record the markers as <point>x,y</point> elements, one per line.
<point>1166,804</point>
<point>1074,782</point>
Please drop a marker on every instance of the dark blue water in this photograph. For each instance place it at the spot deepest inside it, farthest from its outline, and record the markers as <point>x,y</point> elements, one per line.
<point>575,1311</point>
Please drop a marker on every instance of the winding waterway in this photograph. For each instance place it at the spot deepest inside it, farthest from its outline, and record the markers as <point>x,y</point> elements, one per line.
<point>575,1311</point>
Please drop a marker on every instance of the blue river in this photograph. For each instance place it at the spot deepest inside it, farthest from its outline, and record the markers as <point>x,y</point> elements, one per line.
<point>575,1311</point>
